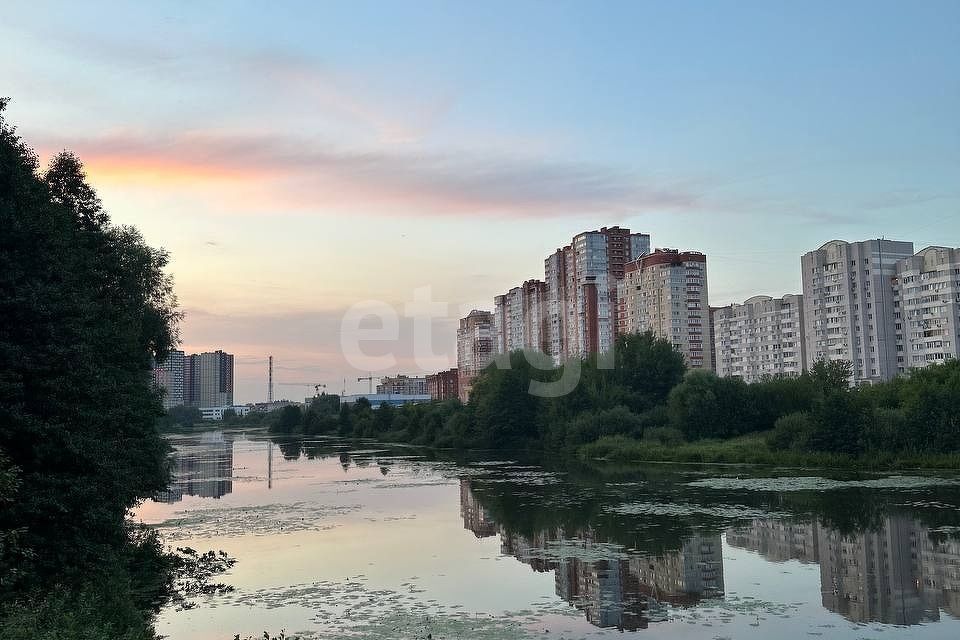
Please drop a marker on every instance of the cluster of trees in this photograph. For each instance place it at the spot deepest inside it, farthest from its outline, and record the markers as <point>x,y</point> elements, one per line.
<point>918,414</point>
<point>503,413</point>
<point>648,395</point>
<point>86,307</point>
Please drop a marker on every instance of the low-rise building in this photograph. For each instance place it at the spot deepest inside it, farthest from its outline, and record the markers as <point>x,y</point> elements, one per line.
<point>216,413</point>
<point>443,385</point>
<point>401,384</point>
<point>393,399</point>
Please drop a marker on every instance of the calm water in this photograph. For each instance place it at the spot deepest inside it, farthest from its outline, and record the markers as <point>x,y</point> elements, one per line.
<point>386,542</point>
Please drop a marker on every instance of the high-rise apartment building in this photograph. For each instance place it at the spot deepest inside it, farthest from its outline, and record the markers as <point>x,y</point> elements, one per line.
<point>666,292</point>
<point>760,338</point>
<point>927,308</point>
<point>519,318</point>
<point>475,349</point>
<point>196,380</point>
<point>168,375</point>
<point>581,285</point>
<point>208,379</point>
<point>848,302</point>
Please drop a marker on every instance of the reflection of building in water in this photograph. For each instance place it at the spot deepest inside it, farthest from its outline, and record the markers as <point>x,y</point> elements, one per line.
<point>684,576</point>
<point>874,575</point>
<point>613,587</point>
<point>204,470</point>
<point>778,540</point>
<point>896,574</point>
<point>940,571</point>
<point>474,517</point>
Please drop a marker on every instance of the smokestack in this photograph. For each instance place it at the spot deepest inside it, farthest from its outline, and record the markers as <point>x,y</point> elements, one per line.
<point>270,380</point>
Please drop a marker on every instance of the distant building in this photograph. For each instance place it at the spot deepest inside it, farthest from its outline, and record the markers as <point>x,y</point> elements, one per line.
<point>581,290</point>
<point>168,375</point>
<point>666,292</point>
<point>475,349</point>
<point>849,309</point>
<point>393,399</point>
<point>208,379</point>
<point>760,338</point>
<point>519,318</point>
<point>267,407</point>
<point>443,385</point>
<point>216,413</point>
<point>927,308</point>
<point>401,384</point>
<point>196,380</point>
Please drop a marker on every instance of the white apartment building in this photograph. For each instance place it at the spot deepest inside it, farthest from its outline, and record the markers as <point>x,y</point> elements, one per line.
<point>581,285</point>
<point>760,338</point>
<point>849,305</point>
<point>927,314</point>
<point>475,348</point>
<point>666,292</point>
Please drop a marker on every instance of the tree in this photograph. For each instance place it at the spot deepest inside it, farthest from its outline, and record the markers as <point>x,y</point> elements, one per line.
<point>648,367</point>
<point>289,420</point>
<point>86,308</point>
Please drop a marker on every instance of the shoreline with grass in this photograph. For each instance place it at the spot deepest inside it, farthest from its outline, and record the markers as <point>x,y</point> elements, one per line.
<point>753,449</point>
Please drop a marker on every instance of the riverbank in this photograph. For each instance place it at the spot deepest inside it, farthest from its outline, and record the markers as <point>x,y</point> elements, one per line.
<point>754,449</point>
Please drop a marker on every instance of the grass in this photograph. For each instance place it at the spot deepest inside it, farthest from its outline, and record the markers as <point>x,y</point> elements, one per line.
<point>753,449</point>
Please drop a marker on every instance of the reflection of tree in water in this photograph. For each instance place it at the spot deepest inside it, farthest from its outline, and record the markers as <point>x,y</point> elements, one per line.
<point>203,468</point>
<point>882,553</point>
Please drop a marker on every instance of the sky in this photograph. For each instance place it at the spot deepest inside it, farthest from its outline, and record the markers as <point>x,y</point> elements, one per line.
<point>301,161</point>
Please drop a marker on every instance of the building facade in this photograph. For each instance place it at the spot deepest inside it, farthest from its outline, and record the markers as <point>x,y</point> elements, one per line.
<point>666,292</point>
<point>581,290</point>
<point>168,375</point>
<point>927,313</point>
<point>519,318</point>
<point>443,385</point>
<point>849,311</point>
<point>475,349</point>
<point>763,337</point>
<point>401,384</point>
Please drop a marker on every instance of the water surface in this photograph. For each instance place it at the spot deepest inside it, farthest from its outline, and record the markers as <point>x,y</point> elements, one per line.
<point>336,541</point>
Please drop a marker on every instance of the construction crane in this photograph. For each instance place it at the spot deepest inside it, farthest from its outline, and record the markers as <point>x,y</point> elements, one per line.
<point>316,385</point>
<point>368,379</point>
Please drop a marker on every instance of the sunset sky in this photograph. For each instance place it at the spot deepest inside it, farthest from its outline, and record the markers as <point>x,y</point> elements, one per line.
<point>299,158</point>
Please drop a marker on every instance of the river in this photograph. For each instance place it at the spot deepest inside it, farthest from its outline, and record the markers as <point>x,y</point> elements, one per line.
<point>333,540</point>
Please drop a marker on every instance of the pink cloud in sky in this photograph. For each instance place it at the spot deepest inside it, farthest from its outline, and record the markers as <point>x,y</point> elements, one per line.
<point>307,174</point>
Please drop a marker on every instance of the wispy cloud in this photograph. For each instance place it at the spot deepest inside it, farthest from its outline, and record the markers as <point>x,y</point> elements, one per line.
<point>311,174</point>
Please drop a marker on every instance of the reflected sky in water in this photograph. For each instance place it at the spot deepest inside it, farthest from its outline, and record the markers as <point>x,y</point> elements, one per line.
<point>333,540</point>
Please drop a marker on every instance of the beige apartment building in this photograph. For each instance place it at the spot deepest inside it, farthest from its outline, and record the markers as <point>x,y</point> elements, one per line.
<point>519,318</point>
<point>475,349</point>
<point>666,292</point>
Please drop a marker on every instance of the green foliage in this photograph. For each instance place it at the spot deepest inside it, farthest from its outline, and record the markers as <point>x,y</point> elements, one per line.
<point>86,309</point>
<point>791,431</point>
<point>180,416</point>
